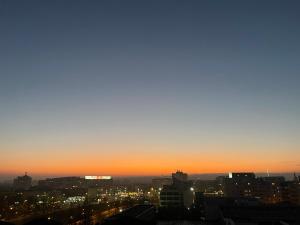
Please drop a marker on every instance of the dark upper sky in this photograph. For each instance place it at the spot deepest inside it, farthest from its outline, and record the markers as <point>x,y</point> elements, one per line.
<point>203,76</point>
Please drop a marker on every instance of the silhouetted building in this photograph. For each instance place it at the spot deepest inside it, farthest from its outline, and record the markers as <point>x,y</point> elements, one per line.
<point>170,196</point>
<point>61,182</point>
<point>291,191</point>
<point>268,189</point>
<point>238,185</point>
<point>199,199</point>
<point>179,194</point>
<point>22,182</point>
<point>179,176</point>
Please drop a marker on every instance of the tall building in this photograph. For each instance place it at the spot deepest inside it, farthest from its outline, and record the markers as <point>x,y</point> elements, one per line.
<point>22,182</point>
<point>179,176</point>
<point>179,194</point>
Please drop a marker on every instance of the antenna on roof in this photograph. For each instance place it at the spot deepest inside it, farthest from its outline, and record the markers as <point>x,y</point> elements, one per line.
<point>295,177</point>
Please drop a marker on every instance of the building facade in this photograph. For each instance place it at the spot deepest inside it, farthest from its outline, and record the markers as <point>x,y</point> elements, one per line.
<point>22,182</point>
<point>179,194</point>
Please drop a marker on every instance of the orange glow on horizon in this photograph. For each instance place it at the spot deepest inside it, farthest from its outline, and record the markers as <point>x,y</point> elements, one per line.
<point>128,159</point>
<point>135,168</point>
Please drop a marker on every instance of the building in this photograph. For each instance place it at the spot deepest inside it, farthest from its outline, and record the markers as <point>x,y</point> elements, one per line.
<point>238,185</point>
<point>269,189</point>
<point>98,181</point>
<point>291,191</point>
<point>61,183</point>
<point>170,196</point>
<point>179,176</point>
<point>22,182</point>
<point>179,194</point>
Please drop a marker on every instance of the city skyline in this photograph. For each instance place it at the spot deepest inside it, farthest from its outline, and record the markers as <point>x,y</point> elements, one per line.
<point>8,179</point>
<point>146,88</point>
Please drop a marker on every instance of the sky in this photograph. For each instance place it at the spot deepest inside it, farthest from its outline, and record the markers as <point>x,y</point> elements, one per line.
<point>149,87</point>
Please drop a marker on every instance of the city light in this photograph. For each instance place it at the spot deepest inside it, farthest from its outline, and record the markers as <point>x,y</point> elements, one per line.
<point>97,177</point>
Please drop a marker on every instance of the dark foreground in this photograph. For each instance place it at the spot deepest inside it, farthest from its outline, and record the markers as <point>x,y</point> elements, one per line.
<point>210,215</point>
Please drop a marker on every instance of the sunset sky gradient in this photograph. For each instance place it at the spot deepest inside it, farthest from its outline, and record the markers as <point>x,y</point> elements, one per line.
<point>148,87</point>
